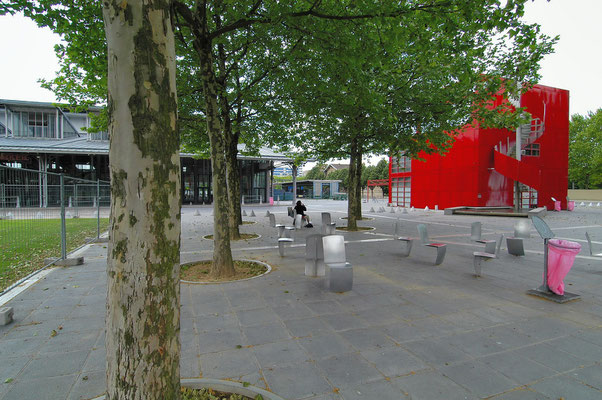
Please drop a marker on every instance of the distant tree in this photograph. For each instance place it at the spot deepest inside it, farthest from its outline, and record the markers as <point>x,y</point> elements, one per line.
<point>585,150</point>
<point>317,172</point>
<point>342,175</point>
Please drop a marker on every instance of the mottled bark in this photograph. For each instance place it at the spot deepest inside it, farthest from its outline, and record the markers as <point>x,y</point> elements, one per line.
<point>223,264</point>
<point>143,298</point>
<point>235,216</point>
<point>354,204</point>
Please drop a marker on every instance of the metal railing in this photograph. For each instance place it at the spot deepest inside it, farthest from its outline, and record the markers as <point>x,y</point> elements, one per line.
<point>43,217</point>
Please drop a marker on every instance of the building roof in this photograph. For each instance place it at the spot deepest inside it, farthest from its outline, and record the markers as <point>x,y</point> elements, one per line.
<point>40,104</point>
<point>337,166</point>
<point>81,145</point>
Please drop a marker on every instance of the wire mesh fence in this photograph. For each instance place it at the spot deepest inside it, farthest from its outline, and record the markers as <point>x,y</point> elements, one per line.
<point>43,217</point>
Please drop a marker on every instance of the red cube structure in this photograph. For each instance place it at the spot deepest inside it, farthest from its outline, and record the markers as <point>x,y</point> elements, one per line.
<point>482,166</point>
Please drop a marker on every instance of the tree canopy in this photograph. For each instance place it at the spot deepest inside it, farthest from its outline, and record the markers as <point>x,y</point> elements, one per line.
<point>585,150</point>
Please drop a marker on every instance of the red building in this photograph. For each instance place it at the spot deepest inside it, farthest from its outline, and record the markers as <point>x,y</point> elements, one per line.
<point>481,168</point>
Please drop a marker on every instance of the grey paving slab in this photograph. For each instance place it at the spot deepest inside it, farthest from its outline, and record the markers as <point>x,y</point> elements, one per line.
<point>478,378</point>
<point>348,369</point>
<point>307,327</point>
<point>393,362</point>
<point>591,376</point>
<point>326,345</point>
<point>520,369</point>
<point>228,364</point>
<point>382,390</point>
<point>436,352</point>
<point>298,381</point>
<point>429,385</point>
<point>404,327</point>
<point>49,388</point>
<point>567,388</point>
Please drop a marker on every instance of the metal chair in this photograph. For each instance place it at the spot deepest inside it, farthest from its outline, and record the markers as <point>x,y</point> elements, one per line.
<point>424,238</point>
<point>479,256</point>
<point>339,271</point>
<point>591,250</point>
<point>405,239</point>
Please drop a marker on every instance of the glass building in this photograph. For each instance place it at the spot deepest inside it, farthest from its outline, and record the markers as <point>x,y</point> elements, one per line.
<point>48,137</point>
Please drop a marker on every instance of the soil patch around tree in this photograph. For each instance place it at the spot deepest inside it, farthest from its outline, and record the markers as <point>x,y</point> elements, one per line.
<point>243,236</point>
<point>210,394</point>
<point>359,228</point>
<point>200,271</point>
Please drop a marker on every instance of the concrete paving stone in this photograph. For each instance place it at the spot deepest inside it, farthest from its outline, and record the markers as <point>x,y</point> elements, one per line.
<point>348,369</point>
<point>430,385</point>
<point>327,345</point>
<point>307,327</point>
<point>65,341</point>
<point>32,328</point>
<point>565,387</point>
<point>478,378</point>
<point>297,381</point>
<point>258,316</point>
<point>216,323</point>
<point>280,354</point>
<point>88,385</point>
<point>49,365</point>
<point>436,327</point>
<point>382,390</point>
<point>367,338</point>
<point>265,333</point>
<point>216,306</point>
<point>549,356</point>
<point>543,328</point>
<point>365,289</point>
<point>83,324</point>
<point>228,364</point>
<point>518,368</point>
<point>210,342</point>
<point>245,301</point>
<point>403,332</point>
<point>323,307</point>
<point>10,368</point>
<point>578,348</point>
<point>25,347</point>
<point>591,376</point>
<point>437,352</point>
<point>88,311</point>
<point>521,394</point>
<point>393,362</point>
<point>411,312</point>
<point>97,360</point>
<point>327,396</point>
<point>293,311</point>
<point>475,343</point>
<point>379,315</point>
<point>341,322</point>
<point>467,320</point>
<point>508,336</point>
<point>190,365</point>
<point>45,388</point>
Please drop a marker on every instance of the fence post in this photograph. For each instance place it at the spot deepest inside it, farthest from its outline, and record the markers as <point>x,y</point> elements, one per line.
<point>97,208</point>
<point>63,223</point>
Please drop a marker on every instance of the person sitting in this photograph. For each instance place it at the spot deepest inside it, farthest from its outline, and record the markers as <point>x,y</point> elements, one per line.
<point>300,210</point>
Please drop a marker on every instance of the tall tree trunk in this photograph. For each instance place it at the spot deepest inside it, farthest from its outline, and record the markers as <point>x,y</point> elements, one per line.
<point>354,204</point>
<point>143,298</point>
<point>235,217</point>
<point>223,264</point>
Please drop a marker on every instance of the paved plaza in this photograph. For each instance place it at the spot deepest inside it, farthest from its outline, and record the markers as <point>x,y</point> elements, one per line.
<point>407,330</point>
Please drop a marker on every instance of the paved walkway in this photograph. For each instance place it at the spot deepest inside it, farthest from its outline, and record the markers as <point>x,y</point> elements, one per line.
<point>407,330</point>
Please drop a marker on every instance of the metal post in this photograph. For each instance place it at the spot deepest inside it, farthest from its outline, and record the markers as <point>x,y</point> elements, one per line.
<point>544,287</point>
<point>63,224</point>
<point>97,208</point>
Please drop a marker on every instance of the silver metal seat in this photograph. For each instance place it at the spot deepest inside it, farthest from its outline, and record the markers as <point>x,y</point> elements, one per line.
<point>591,250</point>
<point>328,227</point>
<point>281,243</point>
<point>479,256</point>
<point>424,238</point>
<point>314,256</point>
<point>339,271</point>
<point>404,239</point>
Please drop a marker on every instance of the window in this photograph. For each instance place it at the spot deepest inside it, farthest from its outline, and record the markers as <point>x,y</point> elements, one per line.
<point>532,150</point>
<point>401,164</point>
<point>401,191</point>
<point>35,124</point>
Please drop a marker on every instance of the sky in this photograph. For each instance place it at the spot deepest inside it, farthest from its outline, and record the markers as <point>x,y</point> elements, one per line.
<point>576,65</point>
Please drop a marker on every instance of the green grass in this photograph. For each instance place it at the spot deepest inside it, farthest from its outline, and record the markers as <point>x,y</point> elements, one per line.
<point>24,243</point>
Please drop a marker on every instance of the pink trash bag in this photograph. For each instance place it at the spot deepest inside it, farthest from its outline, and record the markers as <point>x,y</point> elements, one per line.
<point>557,206</point>
<point>561,255</point>
<point>570,205</point>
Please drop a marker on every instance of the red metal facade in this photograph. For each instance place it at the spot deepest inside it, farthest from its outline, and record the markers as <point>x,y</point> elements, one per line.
<point>474,173</point>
